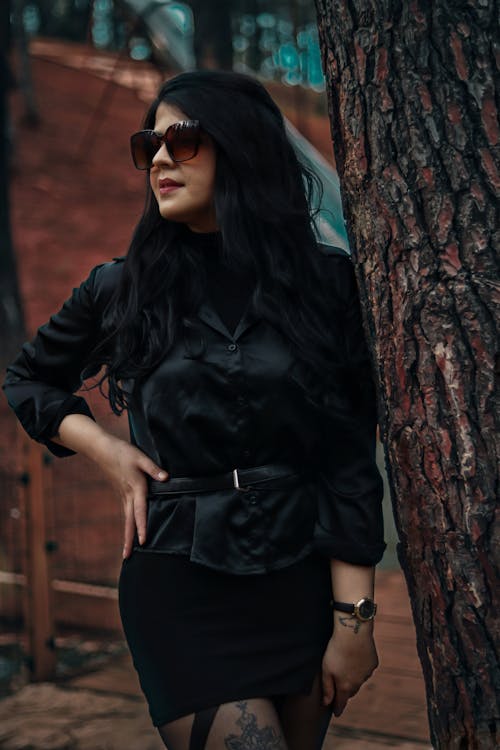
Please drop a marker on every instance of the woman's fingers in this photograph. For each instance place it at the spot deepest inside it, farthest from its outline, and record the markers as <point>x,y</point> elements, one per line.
<point>129,469</point>
<point>154,471</point>
<point>135,506</point>
<point>328,687</point>
<point>134,489</point>
<point>140,515</point>
<point>341,698</point>
<point>147,466</point>
<point>129,528</point>
<point>135,502</point>
<point>346,666</point>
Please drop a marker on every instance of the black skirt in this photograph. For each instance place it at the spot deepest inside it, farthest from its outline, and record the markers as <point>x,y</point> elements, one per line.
<point>200,637</point>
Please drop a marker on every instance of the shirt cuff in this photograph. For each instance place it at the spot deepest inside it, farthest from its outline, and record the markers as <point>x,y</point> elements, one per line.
<point>71,405</point>
<point>347,550</point>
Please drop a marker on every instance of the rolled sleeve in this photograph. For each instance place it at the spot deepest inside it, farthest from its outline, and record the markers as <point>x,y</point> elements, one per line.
<point>350,488</point>
<point>40,384</point>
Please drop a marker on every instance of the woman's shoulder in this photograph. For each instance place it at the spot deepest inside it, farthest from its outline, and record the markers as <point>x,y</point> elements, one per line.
<point>109,270</point>
<point>103,280</point>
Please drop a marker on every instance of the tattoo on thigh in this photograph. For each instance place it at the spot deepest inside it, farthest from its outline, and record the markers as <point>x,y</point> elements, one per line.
<point>252,736</point>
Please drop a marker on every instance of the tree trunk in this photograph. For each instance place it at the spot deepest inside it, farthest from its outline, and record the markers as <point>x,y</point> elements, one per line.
<point>31,114</point>
<point>414,125</point>
<point>11,314</point>
<point>213,40</point>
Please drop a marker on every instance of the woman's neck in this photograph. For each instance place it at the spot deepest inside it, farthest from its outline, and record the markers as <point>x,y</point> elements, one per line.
<point>203,240</point>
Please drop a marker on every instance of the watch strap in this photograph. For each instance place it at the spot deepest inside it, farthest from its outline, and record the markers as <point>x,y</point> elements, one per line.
<point>344,607</point>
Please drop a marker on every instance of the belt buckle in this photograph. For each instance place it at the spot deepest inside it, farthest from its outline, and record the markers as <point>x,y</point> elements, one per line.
<point>236,483</point>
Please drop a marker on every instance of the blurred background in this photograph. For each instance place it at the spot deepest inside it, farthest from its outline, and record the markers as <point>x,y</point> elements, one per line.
<point>76,77</point>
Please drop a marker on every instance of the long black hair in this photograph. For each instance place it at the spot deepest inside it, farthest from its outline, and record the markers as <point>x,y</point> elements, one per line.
<point>263,209</point>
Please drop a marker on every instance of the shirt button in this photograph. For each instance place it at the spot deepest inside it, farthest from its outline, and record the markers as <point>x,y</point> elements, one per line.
<point>242,400</point>
<point>232,347</point>
<point>252,499</point>
<point>246,453</point>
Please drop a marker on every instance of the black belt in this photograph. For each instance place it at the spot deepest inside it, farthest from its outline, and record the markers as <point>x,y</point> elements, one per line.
<point>239,479</point>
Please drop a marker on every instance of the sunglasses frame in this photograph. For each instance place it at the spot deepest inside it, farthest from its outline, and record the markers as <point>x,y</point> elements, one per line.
<point>163,140</point>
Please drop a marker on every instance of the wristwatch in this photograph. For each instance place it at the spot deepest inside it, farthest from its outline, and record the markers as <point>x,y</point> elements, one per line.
<point>363,610</point>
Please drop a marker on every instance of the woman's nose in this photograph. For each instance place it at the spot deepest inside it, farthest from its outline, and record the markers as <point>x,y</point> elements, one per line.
<point>162,157</point>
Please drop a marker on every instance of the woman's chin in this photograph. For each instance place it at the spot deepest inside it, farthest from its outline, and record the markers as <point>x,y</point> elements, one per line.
<point>205,223</point>
<point>167,212</point>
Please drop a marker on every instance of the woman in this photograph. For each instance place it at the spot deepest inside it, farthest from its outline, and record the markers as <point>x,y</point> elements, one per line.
<point>249,484</point>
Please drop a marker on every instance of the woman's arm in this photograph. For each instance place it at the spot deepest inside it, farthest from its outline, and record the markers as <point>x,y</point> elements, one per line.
<point>349,528</point>
<point>124,464</point>
<point>351,656</point>
<point>350,583</point>
<point>41,383</point>
<point>350,488</point>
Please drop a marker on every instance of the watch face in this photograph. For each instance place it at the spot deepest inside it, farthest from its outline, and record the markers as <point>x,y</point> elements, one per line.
<point>366,609</point>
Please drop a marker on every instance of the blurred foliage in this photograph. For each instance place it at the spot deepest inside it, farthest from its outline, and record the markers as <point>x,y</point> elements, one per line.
<point>276,39</point>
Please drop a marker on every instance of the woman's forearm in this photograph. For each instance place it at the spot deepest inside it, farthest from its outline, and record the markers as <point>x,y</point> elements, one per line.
<point>350,583</point>
<point>82,435</point>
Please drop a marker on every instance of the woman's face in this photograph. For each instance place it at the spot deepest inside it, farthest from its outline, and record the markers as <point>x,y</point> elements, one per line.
<point>192,202</point>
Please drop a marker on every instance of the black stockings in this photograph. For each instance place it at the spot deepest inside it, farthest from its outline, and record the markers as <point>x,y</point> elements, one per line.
<point>289,722</point>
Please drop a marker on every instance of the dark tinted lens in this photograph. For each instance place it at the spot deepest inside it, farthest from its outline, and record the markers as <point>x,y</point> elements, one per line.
<point>183,140</point>
<point>144,146</point>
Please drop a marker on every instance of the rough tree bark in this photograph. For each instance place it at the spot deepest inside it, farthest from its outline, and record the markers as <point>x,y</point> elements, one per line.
<point>415,131</point>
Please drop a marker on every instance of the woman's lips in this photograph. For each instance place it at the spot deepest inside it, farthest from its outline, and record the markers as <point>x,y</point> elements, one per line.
<point>168,189</point>
<point>166,186</point>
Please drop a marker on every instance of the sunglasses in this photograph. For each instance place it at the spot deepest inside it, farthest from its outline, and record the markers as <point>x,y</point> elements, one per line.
<point>182,140</point>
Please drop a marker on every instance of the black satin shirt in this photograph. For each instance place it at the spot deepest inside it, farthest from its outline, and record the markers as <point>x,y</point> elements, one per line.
<point>241,405</point>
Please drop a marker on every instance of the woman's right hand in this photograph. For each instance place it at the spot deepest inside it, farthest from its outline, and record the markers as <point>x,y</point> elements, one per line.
<point>128,467</point>
<point>125,465</point>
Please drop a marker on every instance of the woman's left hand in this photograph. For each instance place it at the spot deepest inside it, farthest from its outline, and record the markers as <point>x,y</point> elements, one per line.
<point>349,660</point>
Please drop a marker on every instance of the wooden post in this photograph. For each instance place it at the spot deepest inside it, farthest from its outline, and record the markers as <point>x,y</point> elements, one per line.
<point>39,610</point>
